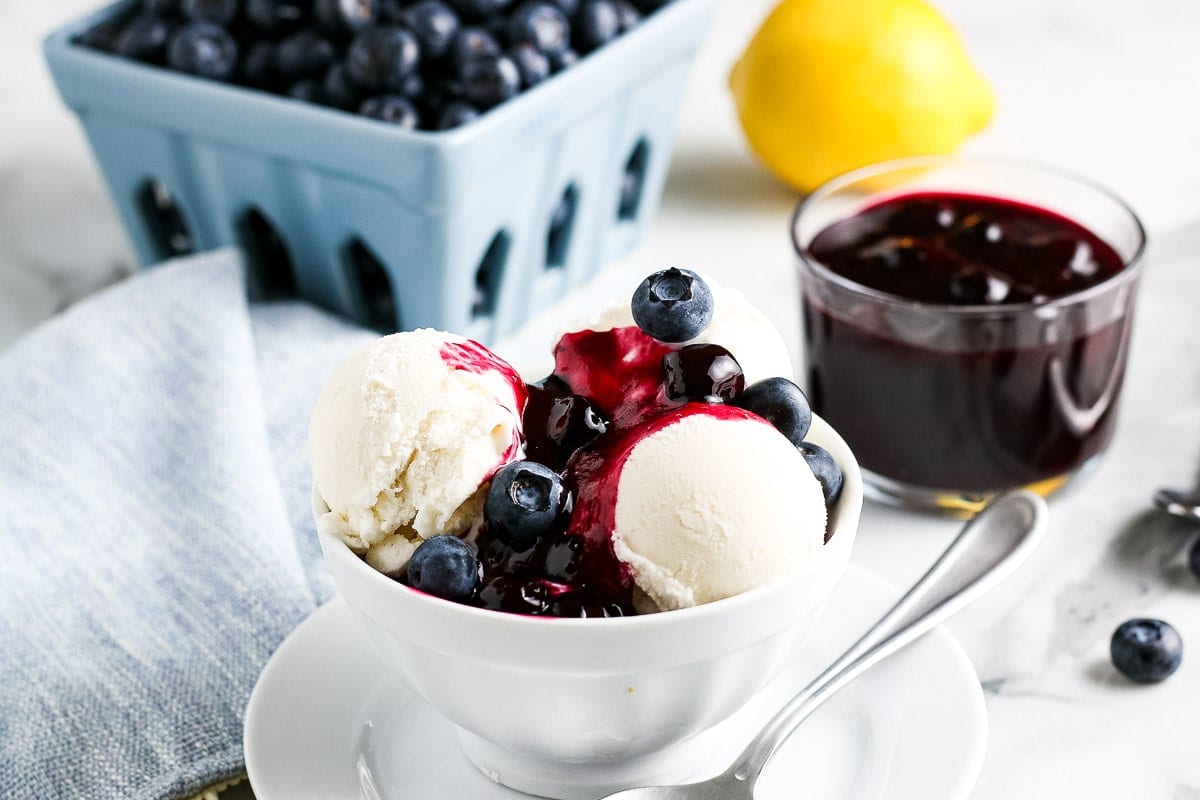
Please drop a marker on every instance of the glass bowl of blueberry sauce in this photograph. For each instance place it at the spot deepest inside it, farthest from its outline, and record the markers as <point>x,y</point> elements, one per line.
<point>966,323</point>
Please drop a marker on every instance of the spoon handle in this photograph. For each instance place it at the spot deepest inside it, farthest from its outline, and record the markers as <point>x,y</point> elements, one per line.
<point>988,548</point>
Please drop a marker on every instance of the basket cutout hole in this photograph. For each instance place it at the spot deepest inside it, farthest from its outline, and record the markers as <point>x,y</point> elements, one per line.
<point>490,274</point>
<point>163,220</point>
<point>633,181</point>
<point>373,283</point>
<point>562,223</point>
<point>267,256</point>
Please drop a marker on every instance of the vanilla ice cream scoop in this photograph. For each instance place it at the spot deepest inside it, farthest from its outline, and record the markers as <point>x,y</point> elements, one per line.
<point>404,437</point>
<point>713,505</point>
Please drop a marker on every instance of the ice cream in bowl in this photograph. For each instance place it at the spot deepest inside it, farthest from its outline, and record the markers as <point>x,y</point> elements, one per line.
<point>585,572</point>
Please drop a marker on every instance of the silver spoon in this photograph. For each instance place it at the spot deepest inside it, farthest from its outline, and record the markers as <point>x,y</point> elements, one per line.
<point>1179,503</point>
<point>989,547</point>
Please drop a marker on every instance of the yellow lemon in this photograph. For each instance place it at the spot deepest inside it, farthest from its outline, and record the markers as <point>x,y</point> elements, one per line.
<point>829,85</point>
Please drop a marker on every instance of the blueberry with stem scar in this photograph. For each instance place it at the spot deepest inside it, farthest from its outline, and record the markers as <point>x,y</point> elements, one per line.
<point>673,305</point>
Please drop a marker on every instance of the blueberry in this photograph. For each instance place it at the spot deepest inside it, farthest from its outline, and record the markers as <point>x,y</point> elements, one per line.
<point>161,8</point>
<point>702,372</point>
<point>515,595</point>
<point>533,65</point>
<point>542,25</point>
<point>338,90</point>
<point>381,58</point>
<point>673,305</point>
<point>272,16</point>
<point>1194,558</point>
<point>304,54</point>
<point>455,114</point>
<point>307,90</point>
<point>144,37</point>
<point>203,49</point>
<point>479,8</point>
<point>257,66</point>
<point>490,80</point>
<point>524,502</point>
<point>596,23</point>
<point>435,25</point>
<point>650,6</point>
<point>825,469</point>
<point>575,605</point>
<point>470,43</point>
<point>567,7</point>
<point>564,60</point>
<point>220,12</point>
<point>339,17</point>
<point>1146,650</point>
<point>100,37</point>
<point>390,108</point>
<point>781,403</point>
<point>444,566</point>
<point>558,422</point>
<point>628,15</point>
<point>413,86</point>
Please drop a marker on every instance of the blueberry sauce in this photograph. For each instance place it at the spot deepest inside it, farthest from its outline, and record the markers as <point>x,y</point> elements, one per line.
<point>607,393</point>
<point>978,417</point>
<point>965,250</point>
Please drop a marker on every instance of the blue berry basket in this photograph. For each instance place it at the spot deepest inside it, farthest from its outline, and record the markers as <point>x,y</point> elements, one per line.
<point>470,230</point>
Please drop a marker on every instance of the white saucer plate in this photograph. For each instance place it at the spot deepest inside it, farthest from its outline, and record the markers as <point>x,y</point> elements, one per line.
<point>325,722</point>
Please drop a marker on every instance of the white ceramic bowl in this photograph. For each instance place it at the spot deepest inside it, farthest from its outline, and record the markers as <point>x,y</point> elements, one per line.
<point>573,708</point>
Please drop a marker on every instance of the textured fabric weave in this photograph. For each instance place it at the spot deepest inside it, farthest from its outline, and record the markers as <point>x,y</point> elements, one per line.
<point>155,538</point>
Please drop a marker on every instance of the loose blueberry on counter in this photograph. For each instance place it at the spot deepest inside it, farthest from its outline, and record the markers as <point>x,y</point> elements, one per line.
<point>220,12</point>
<point>1146,650</point>
<point>444,566</point>
<point>824,469</point>
<point>345,17</point>
<point>381,58</point>
<point>390,108</point>
<point>434,24</point>
<point>542,25</point>
<point>705,373</point>
<point>533,65</point>
<point>144,37</point>
<point>456,114</point>
<point>673,305</point>
<point>490,80</point>
<point>597,23</point>
<point>524,502</point>
<point>304,54</point>
<point>1194,558</point>
<point>781,403</point>
<point>204,49</point>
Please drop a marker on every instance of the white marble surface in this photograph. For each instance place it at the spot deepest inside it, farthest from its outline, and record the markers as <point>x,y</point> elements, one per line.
<point>1107,88</point>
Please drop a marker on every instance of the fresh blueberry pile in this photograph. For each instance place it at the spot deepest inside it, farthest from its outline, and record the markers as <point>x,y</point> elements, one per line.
<point>545,545</point>
<point>428,64</point>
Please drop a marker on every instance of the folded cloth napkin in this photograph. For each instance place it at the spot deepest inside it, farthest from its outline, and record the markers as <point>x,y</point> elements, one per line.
<point>155,538</point>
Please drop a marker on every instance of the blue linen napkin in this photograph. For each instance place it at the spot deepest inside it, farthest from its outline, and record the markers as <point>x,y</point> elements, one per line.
<point>155,538</point>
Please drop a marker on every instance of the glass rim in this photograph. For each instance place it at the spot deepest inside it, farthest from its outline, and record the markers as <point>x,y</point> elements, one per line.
<point>1129,272</point>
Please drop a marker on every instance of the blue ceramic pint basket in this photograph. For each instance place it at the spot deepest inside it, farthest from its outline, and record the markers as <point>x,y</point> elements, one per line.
<point>470,230</point>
